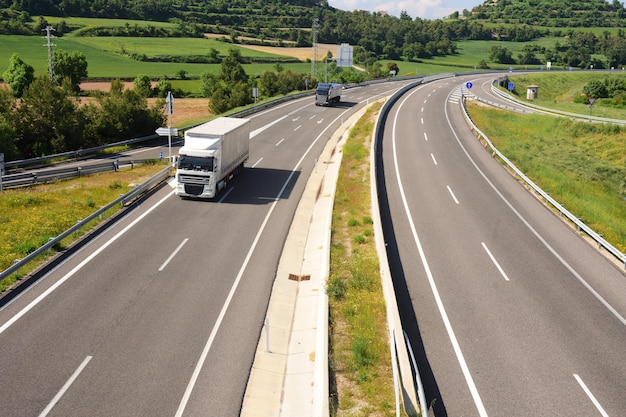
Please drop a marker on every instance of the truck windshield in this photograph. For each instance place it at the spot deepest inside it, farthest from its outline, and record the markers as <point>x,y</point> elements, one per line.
<point>194,163</point>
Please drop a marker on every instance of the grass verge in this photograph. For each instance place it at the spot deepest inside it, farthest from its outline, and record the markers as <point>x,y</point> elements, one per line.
<point>360,367</point>
<point>581,165</point>
<point>31,216</point>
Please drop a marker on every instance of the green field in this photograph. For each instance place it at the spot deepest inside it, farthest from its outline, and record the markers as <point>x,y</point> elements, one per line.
<point>581,165</point>
<point>557,90</point>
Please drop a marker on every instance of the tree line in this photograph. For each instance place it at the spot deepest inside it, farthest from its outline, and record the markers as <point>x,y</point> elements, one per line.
<point>39,117</point>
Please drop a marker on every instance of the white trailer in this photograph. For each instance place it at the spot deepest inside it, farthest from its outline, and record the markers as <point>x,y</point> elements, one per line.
<point>213,153</point>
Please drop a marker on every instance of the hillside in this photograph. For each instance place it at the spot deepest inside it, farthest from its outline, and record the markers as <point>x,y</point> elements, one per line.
<point>552,13</point>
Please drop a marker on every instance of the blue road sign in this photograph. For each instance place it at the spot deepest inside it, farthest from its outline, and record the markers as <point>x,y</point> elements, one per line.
<point>468,85</point>
<point>511,85</point>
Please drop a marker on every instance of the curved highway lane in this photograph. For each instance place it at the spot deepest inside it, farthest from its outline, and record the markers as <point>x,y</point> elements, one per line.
<point>510,311</point>
<point>160,314</point>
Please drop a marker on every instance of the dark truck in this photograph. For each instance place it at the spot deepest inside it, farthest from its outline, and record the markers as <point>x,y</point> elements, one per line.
<point>327,94</point>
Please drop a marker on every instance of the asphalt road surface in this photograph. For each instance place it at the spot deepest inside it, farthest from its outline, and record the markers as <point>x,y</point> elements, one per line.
<point>160,314</point>
<point>510,312</point>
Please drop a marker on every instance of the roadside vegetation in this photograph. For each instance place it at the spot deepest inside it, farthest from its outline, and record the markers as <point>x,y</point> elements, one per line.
<point>581,165</point>
<point>31,216</point>
<point>570,91</point>
<point>360,362</point>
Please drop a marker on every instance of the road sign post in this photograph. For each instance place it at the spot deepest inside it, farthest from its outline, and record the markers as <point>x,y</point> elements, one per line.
<point>169,101</point>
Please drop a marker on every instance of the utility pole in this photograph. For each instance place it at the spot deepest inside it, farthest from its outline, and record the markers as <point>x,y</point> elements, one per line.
<point>49,37</point>
<point>316,22</point>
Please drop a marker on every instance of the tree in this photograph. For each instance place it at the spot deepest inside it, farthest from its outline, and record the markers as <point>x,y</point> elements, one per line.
<point>48,121</point>
<point>219,102</point>
<point>210,83</point>
<point>501,55</point>
<point>72,65</point>
<point>232,71</point>
<point>392,66</point>
<point>143,85</point>
<point>596,89</point>
<point>7,128</point>
<point>19,75</point>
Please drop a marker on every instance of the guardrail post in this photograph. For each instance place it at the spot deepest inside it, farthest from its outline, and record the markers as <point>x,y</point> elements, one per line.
<point>116,165</point>
<point>79,169</point>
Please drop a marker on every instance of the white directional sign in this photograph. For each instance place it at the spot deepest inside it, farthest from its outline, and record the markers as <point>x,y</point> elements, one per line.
<point>164,131</point>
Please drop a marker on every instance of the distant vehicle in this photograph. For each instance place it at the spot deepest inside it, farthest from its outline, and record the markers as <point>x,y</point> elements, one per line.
<point>328,94</point>
<point>213,153</point>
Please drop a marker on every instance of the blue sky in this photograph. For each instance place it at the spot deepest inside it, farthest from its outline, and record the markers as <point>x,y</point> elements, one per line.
<point>425,9</point>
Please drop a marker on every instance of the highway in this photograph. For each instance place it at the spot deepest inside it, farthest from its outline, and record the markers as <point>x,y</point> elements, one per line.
<point>160,314</point>
<point>509,311</point>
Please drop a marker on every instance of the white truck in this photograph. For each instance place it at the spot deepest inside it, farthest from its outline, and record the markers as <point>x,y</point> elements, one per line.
<point>327,94</point>
<point>213,153</point>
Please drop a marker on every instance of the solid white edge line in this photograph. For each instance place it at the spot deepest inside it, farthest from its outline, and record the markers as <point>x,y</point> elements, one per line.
<point>590,395</point>
<point>493,259</point>
<point>65,387</point>
<point>442,311</point>
<point>167,261</point>
<point>67,276</point>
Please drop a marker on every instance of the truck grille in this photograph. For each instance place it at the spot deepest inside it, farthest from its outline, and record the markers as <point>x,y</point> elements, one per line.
<point>193,189</point>
<point>191,179</point>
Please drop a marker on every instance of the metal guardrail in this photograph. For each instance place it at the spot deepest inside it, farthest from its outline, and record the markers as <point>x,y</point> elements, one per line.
<point>581,226</point>
<point>33,178</point>
<point>76,154</point>
<point>541,109</point>
<point>122,200</point>
<point>409,372</point>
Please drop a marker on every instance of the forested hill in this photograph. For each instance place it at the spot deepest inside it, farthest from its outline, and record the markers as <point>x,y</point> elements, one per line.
<point>289,13</point>
<point>552,13</point>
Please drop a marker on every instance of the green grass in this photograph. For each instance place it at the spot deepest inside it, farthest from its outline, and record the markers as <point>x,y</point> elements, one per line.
<point>31,216</point>
<point>557,90</point>
<point>361,374</point>
<point>581,165</point>
<point>105,60</point>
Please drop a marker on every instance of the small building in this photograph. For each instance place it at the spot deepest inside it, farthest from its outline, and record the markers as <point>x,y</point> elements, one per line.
<point>532,91</point>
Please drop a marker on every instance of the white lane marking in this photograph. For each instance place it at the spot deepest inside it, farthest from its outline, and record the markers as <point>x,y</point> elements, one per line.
<point>200,364</point>
<point>67,276</point>
<point>422,119</point>
<point>590,395</point>
<point>452,194</point>
<point>267,126</point>
<point>493,259</point>
<point>257,162</point>
<point>425,136</point>
<point>167,261</point>
<point>65,387</point>
<point>279,142</point>
<point>230,190</point>
<point>434,160</point>
<point>298,127</point>
<point>422,110</point>
<point>606,304</point>
<point>433,286</point>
